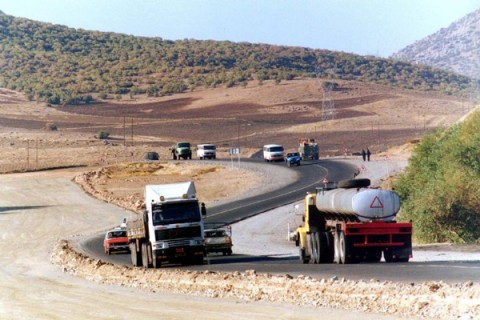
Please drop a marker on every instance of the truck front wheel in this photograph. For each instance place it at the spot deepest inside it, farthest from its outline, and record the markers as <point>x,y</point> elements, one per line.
<point>144,248</point>
<point>156,262</point>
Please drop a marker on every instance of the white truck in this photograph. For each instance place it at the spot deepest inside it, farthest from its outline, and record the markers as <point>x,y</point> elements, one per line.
<point>171,228</point>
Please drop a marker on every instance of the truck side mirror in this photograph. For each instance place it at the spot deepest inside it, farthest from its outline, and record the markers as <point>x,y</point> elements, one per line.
<point>203,210</point>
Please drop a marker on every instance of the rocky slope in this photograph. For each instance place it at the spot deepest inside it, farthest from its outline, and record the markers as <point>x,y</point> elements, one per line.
<point>454,48</point>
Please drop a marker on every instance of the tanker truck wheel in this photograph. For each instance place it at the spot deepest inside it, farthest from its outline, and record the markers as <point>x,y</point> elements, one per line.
<point>315,246</point>
<point>328,247</point>
<point>304,259</point>
<point>345,249</point>
<point>321,249</point>
<point>336,248</point>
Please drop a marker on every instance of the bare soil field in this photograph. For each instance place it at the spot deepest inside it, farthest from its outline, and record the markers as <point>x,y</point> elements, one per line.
<point>365,115</point>
<point>123,184</point>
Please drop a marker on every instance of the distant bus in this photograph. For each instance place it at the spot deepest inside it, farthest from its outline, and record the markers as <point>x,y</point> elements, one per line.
<point>273,152</point>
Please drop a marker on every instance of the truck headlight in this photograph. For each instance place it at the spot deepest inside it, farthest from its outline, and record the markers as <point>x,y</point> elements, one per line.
<point>161,245</point>
<point>196,242</point>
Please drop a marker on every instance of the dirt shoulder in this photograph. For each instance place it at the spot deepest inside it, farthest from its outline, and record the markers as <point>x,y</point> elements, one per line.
<point>216,183</point>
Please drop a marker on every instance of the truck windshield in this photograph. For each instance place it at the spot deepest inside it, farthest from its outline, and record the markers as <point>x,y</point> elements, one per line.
<point>209,147</point>
<point>169,213</point>
<point>117,234</point>
<point>184,145</point>
<point>276,149</point>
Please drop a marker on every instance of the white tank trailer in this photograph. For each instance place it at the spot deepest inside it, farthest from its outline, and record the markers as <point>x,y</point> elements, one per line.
<point>366,204</point>
<point>347,222</point>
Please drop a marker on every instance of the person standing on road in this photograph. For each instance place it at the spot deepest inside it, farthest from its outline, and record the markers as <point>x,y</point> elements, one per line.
<point>368,154</point>
<point>363,154</point>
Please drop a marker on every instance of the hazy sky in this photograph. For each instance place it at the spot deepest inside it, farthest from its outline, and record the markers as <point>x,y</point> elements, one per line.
<point>367,27</point>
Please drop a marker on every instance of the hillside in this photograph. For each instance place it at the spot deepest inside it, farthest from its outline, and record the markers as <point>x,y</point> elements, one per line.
<point>62,65</point>
<point>440,188</point>
<point>454,48</point>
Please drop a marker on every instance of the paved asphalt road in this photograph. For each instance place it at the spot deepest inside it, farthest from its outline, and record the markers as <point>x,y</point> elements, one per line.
<point>310,175</point>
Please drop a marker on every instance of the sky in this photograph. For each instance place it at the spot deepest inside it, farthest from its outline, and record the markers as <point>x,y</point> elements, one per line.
<point>365,27</point>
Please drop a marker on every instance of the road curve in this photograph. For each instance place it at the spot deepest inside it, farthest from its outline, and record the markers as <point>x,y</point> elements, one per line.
<point>310,176</point>
<point>37,210</point>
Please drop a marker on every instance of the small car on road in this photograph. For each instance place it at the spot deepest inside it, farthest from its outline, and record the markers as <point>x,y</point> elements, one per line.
<point>218,240</point>
<point>293,158</point>
<point>116,240</point>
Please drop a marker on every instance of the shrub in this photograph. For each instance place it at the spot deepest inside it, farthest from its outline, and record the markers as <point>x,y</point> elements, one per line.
<point>103,135</point>
<point>51,127</point>
<point>152,156</point>
<point>440,189</point>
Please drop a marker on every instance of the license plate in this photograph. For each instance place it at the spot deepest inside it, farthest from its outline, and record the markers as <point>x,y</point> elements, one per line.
<point>179,250</point>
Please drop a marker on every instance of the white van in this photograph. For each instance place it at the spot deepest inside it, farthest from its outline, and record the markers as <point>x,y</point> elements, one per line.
<point>273,152</point>
<point>206,151</point>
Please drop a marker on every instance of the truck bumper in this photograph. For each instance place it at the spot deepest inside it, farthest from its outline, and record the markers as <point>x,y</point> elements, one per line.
<point>179,253</point>
<point>218,248</point>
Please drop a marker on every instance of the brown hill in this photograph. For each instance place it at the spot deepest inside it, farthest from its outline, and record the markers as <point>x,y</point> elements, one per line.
<point>365,115</point>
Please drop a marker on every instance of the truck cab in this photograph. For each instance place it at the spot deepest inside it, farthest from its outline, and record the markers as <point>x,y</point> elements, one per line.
<point>181,150</point>
<point>171,228</point>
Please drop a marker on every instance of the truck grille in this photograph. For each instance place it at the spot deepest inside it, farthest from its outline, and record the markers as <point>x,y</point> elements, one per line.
<point>119,244</point>
<point>178,233</point>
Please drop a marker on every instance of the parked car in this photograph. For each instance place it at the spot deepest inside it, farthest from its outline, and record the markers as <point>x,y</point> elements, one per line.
<point>116,240</point>
<point>218,240</point>
<point>206,151</point>
<point>293,158</point>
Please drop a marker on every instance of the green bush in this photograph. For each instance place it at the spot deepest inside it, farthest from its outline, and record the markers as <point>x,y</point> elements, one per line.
<point>103,135</point>
<point>440,189</point>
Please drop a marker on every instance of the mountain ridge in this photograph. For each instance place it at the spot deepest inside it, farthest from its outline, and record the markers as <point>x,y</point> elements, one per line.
<point>61,65</point>
<point>455,48</point>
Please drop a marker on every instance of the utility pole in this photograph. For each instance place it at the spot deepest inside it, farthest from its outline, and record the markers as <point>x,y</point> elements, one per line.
<point>132,132</point>
<point>36,154</point>
<point>28,155</point>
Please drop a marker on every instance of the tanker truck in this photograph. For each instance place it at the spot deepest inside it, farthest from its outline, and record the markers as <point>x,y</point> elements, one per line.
<point>348,222</point>
<point>171,228</point>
